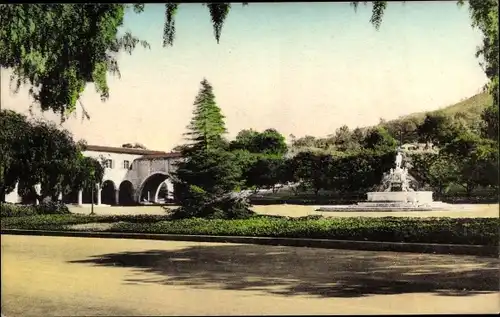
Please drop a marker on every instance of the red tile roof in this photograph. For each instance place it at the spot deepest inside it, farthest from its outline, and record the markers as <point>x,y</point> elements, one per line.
<point>123,150</point>
<point>161,156</point>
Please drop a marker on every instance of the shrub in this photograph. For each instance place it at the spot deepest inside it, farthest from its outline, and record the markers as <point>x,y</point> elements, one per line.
<point>469,231</point>
<point>45,208</point>
<point>52,208</point>
<point>11,210</point>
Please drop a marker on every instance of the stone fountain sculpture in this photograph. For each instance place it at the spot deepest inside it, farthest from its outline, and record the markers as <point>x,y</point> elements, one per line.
<point>397,192</point>
<point>398,186</point>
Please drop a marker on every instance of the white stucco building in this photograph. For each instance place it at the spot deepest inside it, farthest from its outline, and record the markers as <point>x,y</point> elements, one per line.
<point>130,176</point>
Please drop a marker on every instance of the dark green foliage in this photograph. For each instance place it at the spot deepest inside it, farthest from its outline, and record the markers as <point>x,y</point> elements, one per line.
<point>404,129</point>
<point>345,140</point>
<point>490,125</point>
<point>52,208</point>
<point>438,129</point>
<point>205,182</point>
<point>206,128</point>
<point>50,156</point>
<point>313,170</point>
<point>379,138</point>
<point>484,16</point>
<point>12,210</point>
<point>470,231</point>
<point>213,170</point>
<point>12,146</point>
<point>265,172</point>
<point>434,171</point>
<point>45,208</point>
<point>269,142</point>
<point>476,160</point>
<point>38,152</point>
<point>85,172</point>
<point>58,48</point>
<point>209,175</point>
<point>360,171</point>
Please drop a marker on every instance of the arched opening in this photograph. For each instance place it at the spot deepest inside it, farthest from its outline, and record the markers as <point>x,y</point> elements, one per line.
<point>71,197</point>
<point>165,192</point>
<point>162,195</point>
<point>126,196</point>
<point>108,193</point>
<point>87,195</point>
<point>151,187</point>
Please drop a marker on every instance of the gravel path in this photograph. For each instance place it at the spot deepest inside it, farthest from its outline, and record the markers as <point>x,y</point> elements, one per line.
<point>61,276</point>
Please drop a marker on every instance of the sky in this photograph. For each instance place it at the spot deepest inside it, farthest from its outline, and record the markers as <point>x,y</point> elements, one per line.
<point>301,68</point>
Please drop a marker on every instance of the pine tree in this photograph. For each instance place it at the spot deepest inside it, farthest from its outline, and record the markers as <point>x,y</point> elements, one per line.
<point>209,175</point>
<point>207,127</point>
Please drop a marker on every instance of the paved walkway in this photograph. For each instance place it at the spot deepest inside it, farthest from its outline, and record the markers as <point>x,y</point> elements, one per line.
<point>463,211</point>
<point>47,276</point>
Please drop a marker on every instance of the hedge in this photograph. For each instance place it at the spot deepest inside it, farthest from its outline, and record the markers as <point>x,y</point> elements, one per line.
<point>468,231</point>
<point>45,208</point>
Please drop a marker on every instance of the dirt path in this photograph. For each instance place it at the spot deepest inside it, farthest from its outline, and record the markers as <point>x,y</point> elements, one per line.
<point>47,276</point>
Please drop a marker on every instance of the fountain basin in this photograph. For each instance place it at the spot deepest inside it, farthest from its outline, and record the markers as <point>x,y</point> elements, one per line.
<point>394,201</point>
<point>419,197</point>
<point>385,206</point>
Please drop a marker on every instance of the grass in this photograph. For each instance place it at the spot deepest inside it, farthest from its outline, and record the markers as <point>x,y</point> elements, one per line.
<point>472,107</point>
<point>470,231</point>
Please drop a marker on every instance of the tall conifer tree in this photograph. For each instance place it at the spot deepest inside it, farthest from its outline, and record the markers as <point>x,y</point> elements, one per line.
<point>207,128</point>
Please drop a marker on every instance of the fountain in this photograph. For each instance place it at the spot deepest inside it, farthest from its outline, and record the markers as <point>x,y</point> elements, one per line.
<point>397,192</point>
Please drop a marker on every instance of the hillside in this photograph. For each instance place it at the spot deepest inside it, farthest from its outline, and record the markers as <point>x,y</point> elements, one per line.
<point>468,110</point>
<point>471,108</point>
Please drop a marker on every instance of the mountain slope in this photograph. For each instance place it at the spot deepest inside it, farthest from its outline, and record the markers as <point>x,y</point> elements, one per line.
<point>468,111</point>
<point>471,108</point>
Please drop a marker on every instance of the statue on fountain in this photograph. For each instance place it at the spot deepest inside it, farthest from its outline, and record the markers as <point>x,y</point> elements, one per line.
<point>399,160</point>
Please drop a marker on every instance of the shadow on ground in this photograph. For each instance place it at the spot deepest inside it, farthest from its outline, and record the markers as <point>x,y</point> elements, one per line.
<point>305,271</point>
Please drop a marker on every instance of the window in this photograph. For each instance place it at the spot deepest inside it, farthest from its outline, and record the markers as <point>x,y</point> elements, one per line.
<point>126,164</point>
<point>108,164</point>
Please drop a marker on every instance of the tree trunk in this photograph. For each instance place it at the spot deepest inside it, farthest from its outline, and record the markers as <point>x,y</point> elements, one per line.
<point>468,190</point>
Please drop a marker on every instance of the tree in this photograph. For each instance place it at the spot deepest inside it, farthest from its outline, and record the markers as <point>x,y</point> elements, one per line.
<point>180,148</point>
<point>86,172</point>
<point>344,139</point>
<point>313,169</point>
<point>209,173</point>
<point>204,181</point>
<point>476,159</point>
<point>306,141</point>
<point>442,172</point>
<point>39,153</point>
<point>358,135</point>
<point>265,172</point>
<point>405,128</point>
<point>437,128</point>
<point>379,138</point>
<point>269,142</point>
<point>59,48</point>
<point>51,155</point>
<point>272,142</point>
<point>490,126</point>
<point>484,15</point>
<point>207,127</point>
<point>14,129</point>
<point>245,140</point>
